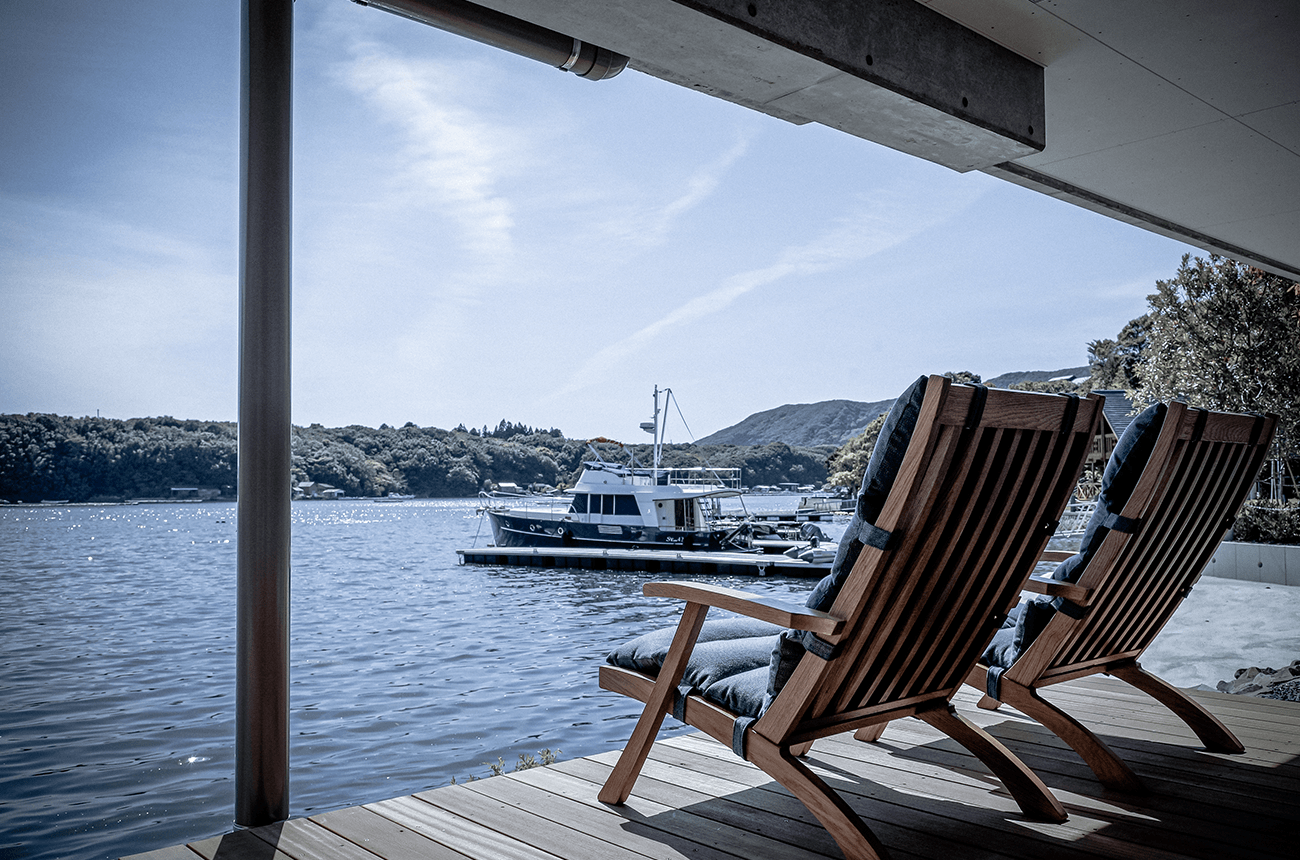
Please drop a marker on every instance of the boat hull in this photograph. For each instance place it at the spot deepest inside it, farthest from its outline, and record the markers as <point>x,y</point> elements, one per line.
<point>519,531</point>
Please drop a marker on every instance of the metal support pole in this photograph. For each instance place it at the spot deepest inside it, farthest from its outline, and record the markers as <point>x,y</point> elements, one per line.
<point>509,34</point>
<point>262,615</point>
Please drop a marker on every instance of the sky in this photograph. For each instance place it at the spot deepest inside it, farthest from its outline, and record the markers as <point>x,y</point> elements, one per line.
<point>478,237</point>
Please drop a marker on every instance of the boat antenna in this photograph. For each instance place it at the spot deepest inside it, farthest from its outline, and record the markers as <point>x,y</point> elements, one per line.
<point>652,427</point>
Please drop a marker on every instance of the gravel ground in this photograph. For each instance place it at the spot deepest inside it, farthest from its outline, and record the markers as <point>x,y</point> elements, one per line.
<point>1287,692</point>
<point>1225,625</point>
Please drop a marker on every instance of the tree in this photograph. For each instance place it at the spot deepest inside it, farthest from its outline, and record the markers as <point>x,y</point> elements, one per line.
<point>1114,363</point>
<point>849,463</point>
<point>1226,336</point>
<point>1058,386</point>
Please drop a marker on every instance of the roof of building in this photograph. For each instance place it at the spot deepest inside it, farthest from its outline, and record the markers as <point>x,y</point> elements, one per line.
<point>1118,410</point>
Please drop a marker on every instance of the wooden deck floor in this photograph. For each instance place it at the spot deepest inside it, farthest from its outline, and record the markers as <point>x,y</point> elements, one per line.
<point>921,793</point>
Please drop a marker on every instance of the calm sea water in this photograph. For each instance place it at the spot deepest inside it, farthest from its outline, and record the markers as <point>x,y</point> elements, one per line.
<point>408,670</point>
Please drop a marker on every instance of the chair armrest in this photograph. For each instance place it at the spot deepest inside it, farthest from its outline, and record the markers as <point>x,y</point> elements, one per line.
<point>1055,555</point>
<point>770,609</point>
<point>1056,588</point>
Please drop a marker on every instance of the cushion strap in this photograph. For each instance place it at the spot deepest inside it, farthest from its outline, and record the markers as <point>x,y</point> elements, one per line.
<point>679,702</point>
<point>1256,430</point>
<point>976,411</point>
<point>979,396</point>
<point>738,729</point>
<point>993,682</point>
<point>872,535</point>
<point>1199,427</point>
<point>1067,429</point>
<point>1117,523</point>
<point>817,646</point>
<point>1070,609</point>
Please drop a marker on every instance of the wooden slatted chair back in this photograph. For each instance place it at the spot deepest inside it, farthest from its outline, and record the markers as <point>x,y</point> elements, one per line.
<point>974,504</point>
<point>1200,471</point>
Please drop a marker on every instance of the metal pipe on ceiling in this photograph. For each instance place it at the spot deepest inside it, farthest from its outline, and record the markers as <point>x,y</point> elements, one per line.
<point>509,34</point>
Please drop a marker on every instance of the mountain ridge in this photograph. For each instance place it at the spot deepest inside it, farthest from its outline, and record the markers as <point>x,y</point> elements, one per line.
<point>834,422</point>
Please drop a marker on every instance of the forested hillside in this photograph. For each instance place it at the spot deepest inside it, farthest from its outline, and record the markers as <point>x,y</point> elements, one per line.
<point>835,422</point>
<point>830,422</point>
<point>100,459</point>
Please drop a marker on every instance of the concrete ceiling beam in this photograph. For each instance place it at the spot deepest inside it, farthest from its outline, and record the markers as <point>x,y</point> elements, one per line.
<point>891,71</point>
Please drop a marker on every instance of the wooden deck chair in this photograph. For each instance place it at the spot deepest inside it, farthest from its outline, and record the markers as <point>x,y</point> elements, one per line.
<point>952,517</point>
<point>1169,492</point>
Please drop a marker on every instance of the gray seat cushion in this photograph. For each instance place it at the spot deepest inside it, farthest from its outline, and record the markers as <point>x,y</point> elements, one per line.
<point>729,665</point>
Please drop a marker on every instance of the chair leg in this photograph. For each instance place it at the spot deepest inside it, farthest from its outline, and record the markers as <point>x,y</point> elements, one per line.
<point>849,831</point>
<point>618,786</point>
<point>988,703</point>
<point>1034,798</point>
<point>871,733</point>
<point>1214,734</point>
<point>801,750</point>
<point>1109,768</point>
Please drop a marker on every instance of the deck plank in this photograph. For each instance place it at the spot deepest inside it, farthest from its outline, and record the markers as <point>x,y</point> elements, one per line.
<point>392,840</point>
<point>970,809</point>
<point>173,852</point>
<point>469,836</point>
<point>650,828</point>
<point>304,839</point>
<point>770,807</point>
<point>1221,787</point>
<point>920,791</point>
<point>557,825</point>
<point>240,845</point>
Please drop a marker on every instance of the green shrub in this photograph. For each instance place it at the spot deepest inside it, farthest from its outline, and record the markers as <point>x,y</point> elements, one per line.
<point>526,762</point>
<point>1268,521</point>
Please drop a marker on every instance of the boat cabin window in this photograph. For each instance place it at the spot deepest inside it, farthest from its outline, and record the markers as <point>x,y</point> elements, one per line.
<point>608,505</point>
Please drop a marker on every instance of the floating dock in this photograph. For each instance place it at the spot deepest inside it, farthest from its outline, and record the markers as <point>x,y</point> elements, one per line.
<point>651,560</point>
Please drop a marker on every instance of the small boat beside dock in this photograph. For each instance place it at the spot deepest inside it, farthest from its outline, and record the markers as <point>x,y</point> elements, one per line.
<point>810,511</point>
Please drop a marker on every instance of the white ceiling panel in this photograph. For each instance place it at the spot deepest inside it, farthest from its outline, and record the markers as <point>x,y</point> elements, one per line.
<point>1182,116</point>
<point>1225,53</point>
<point>1094,106</point>
<point>1212,174</point>
<point>1280,124</point>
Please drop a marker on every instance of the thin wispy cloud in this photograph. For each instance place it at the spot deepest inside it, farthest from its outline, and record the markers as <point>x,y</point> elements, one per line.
<point>885,221</point>
<point>453,153</point>
<point>651,223</point>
